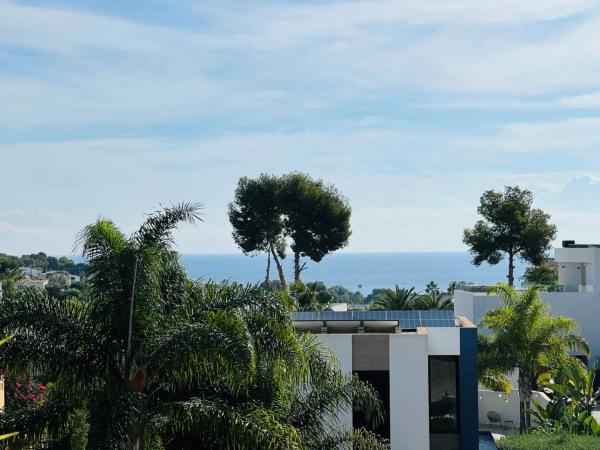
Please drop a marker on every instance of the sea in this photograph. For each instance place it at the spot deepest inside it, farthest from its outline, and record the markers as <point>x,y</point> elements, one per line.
<point>355,271</point>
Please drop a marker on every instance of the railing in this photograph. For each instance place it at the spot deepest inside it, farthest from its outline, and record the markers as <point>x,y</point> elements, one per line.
<point>584,288</point>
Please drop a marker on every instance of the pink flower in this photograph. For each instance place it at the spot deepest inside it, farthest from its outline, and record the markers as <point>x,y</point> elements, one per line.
<point>18,385</point>
<point>42,388</point>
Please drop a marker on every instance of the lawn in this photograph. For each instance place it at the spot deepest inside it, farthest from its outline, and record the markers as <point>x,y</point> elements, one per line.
<point>549,442</point>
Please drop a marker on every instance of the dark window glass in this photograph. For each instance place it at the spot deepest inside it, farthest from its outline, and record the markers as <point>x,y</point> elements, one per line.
<point>443,394</point>
<point>380,380</point>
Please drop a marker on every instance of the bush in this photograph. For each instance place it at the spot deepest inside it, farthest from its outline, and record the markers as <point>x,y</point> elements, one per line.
<point>549,442</point>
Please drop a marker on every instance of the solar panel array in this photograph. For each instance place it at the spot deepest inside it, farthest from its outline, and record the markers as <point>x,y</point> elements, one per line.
<point>405,319</point>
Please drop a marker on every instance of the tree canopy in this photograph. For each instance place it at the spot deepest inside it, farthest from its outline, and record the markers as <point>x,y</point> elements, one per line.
<point>268,211</point>
<point>257,220</point>
<point>317,218</point>
<point>510,226</point>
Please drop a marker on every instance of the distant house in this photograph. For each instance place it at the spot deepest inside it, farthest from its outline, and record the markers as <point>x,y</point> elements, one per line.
<point>32,272</point>
<point>29,282</point>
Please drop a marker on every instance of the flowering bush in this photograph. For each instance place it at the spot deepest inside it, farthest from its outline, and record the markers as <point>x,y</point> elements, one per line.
<point>21,394</point>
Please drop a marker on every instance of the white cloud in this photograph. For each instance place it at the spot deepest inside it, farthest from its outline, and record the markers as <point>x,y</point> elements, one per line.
<point>591,100</point>
<point>575,136</point>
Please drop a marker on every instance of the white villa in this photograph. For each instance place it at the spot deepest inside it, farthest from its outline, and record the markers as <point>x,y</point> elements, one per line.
<point>578,297</point>
<point>422,363</point>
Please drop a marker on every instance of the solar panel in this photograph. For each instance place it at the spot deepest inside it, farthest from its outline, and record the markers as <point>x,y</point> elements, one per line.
<point>405,319</point>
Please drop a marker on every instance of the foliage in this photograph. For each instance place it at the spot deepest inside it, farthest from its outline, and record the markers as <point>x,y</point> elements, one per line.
<point>543,274</point>
<point>79,429</point>
<point>338,294</point>
<point>156,360</point>
<point>510,225</point>
<point>317,218</point>
<point>268,210</point>
<point>434,300</point>
<point>22,394</point>
<point>572,400</point>
<point>42,261</point>
<point>306,299</point>
<point>451,288</point>
<point>396,299</point>
<point>524,336</point>
<point>560,441</point>
<point>257,220</point>
<point>5,436</point>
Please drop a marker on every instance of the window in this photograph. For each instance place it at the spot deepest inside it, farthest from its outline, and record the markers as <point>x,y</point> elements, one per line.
<point>380,381</point>
<point>443,394</point>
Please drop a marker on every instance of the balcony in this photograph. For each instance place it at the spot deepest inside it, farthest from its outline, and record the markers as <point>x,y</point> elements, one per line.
<point>583,288</point>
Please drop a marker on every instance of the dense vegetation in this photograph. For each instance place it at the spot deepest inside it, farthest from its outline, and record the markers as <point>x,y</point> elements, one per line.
<point>41,261</point>
<point>560,441</point>
<point>525,336</point>
<point>152,360</point>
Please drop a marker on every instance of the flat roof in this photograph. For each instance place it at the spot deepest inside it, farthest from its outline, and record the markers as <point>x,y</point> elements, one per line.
<point>406,319</point>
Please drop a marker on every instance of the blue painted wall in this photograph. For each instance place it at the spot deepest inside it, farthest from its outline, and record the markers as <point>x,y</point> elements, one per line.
<point>467,363</point>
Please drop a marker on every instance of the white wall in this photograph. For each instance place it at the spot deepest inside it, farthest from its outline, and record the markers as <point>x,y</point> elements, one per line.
<point>341,346</point>
<point>584,308</point>
<point>443,341</point>
<point>409,392</point>
<point>463,304</point>
<point>505,405</point>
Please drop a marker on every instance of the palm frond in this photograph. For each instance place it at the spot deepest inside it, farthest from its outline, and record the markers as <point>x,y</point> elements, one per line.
<point>219,425</point>
<point>157,230</point>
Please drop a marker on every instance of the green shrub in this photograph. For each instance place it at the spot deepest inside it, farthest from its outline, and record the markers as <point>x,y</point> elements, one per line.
<point>549,442</point>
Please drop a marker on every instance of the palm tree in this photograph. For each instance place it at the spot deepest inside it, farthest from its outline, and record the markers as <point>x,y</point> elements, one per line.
<point>153,357</point>
<point>306,299</point>
<point>434,300</point>
<point>525,337</point>
<point>396,299</point>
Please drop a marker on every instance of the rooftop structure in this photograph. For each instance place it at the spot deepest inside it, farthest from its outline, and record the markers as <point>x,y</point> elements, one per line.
<point>32,282</point>
<point>578,266</point>
<point>422,363</point>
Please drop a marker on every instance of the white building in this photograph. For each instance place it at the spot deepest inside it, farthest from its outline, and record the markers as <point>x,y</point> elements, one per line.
<point>31,282</point>
<point>422,363</point>
<point>31,272</point>
<point>578,298</point>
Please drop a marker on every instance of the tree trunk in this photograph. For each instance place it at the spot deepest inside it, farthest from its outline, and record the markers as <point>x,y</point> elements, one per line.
<point>524,400</point>
<point>511,269</point>
<point>268,275</point>
<point>279,269</point>
<point>297,267</point>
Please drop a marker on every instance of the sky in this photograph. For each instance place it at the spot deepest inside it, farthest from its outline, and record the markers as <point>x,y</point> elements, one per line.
<point>412,109</point>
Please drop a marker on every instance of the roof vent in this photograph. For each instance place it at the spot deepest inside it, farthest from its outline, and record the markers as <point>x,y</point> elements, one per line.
<point>567,244</point>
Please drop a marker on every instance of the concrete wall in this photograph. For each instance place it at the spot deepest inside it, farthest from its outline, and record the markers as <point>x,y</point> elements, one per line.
<point>341,345</point>
<point>505,405</point>
<point>443,341</point>
<point>584,308</point>
<point>409,392</point>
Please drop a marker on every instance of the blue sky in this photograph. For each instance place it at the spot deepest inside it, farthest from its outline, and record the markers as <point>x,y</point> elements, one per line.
<point>411,109</point>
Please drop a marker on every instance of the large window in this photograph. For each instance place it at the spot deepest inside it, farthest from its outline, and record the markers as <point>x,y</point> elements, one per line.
<point>443,394</point>
<point>380,380</point>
